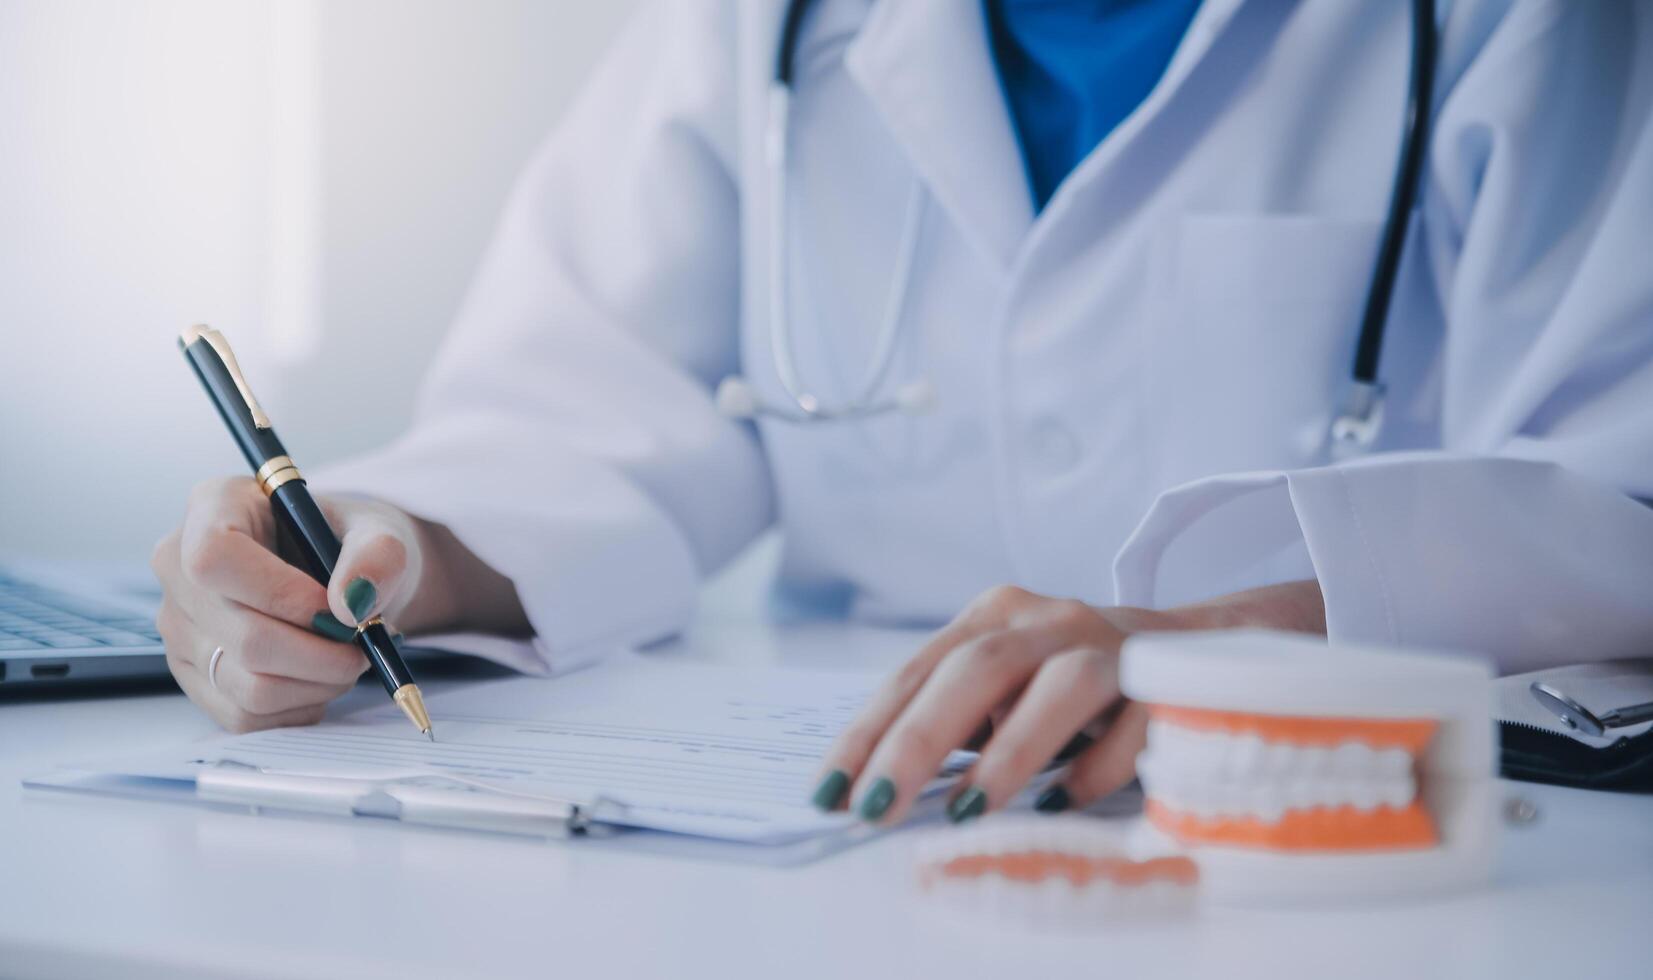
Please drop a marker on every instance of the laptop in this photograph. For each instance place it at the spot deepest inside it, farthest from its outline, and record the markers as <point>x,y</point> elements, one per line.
<point>61,632</point>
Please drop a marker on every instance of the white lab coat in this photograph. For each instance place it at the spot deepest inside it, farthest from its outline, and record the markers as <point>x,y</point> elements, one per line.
<point>1133,386</point>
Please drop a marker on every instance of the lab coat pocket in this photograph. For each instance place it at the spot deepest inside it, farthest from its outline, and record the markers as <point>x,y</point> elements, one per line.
<point>1251,351</point>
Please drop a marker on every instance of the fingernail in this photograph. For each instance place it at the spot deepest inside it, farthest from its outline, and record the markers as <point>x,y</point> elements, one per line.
<point>878,799</point>
<point>1076,745</point>
<point>359,597</point>
<point>328,625</point>
<point>969,804</point>
<point>1054,799</point>
<point>831,790</point>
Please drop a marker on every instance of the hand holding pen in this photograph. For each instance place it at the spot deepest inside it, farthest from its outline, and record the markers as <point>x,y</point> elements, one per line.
<point>241,625</point>
<point>287,649</point>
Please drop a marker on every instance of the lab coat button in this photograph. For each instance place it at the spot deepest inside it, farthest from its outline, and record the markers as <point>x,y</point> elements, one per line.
<point>1052,447</point>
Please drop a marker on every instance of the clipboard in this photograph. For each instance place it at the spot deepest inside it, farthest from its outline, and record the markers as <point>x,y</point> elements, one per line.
<point>672,757</point>
<point>238,790</point>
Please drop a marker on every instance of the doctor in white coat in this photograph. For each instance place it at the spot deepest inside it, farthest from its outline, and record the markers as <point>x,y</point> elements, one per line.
<point>1132,379</point>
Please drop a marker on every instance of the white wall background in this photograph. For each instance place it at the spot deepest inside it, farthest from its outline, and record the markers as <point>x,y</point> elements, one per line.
<point>315,177</point>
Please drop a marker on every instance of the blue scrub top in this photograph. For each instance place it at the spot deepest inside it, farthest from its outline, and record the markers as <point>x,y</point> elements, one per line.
<point>1072,70</point>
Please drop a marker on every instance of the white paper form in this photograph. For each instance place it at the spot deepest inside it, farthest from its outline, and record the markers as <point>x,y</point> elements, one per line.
<point>702,749</point>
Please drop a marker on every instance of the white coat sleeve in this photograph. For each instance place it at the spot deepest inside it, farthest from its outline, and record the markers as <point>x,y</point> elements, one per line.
<point>566,433</point>
<point>1520,538</point>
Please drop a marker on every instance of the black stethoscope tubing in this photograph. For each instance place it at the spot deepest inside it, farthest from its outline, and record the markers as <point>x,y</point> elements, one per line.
<point>1402,199</point>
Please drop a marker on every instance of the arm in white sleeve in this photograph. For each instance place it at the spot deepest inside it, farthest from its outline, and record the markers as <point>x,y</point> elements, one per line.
<point>566,433</point>
<point>1520,538</point>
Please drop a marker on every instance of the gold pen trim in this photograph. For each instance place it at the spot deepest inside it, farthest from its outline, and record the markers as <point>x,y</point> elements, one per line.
<point>280,477</point>
<point>272,464</point>
<point>217,342</point>
<point>276,471</point>
<point>412,703</point>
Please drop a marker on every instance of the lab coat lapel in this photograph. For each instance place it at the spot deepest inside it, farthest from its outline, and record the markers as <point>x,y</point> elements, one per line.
<point>1208,24</point>
<point>927,68</point>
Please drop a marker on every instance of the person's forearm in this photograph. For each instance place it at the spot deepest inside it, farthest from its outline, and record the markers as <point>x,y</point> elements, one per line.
<point>459,592</point>
<point>1294,606</point>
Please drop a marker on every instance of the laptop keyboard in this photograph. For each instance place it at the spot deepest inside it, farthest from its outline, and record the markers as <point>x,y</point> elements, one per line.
<point>34,617</point>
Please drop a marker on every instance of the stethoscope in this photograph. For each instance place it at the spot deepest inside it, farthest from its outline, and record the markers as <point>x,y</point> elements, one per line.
<point>1353,430</point>
<point>1581,719</point>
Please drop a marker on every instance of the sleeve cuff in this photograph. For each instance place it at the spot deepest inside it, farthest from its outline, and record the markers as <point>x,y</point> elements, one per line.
<point>1230,533</point>
<point>1526,562</point>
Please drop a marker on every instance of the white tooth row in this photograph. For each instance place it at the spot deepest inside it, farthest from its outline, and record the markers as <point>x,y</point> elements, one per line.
<point>1216,774</point>
<point>1248,756</point>
<point>1014,833</point>
<point>1054,904</point>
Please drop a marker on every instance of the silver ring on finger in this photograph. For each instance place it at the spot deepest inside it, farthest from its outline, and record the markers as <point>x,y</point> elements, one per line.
<point>212,666</point>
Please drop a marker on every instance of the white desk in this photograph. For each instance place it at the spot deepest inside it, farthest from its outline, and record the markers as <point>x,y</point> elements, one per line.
<point>98,887</point>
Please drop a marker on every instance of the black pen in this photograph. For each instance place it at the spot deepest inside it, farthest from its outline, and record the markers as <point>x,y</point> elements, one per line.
<point>295,510</point>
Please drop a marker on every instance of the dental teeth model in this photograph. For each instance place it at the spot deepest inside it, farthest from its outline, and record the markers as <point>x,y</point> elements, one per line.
<point>1053,872</point>
<point>1290,769</point>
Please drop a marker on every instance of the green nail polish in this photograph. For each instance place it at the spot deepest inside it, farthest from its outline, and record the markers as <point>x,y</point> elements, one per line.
<point>878,799</point>
<point>831,790</point>
<point>969,804</point>
<point>329,626</point>
<point>1054,799</point>
<point>359,596</point>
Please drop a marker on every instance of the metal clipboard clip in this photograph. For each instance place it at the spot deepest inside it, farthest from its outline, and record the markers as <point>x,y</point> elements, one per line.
<point>413,797</point>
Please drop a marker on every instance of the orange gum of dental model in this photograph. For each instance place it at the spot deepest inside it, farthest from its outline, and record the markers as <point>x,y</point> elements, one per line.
<point>1341,828</point>
<point>1080,870</point>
